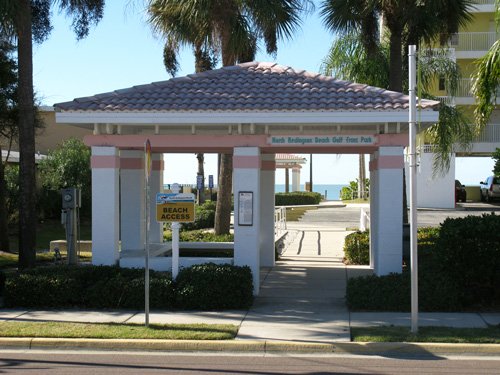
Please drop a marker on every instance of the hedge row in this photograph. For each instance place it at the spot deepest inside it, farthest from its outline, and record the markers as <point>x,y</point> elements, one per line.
<point>458,269</point>
<point>297,198</point>
<point>199,236</point>
<point>206,286</point>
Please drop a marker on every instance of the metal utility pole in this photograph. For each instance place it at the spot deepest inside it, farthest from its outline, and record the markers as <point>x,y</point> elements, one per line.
<point>413,187</point>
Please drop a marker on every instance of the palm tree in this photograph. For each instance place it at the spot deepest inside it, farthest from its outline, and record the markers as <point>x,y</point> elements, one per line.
<point>407,22</point>
<point>25,21</point>
<point>487,79</point>
<point>229,28</point>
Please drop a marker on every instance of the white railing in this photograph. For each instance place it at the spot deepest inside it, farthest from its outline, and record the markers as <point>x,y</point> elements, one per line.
<point>491,133</point>
<point>363,195</point>
<point>279,222</point>
<point>481,41</point>
<point>484,2</point>
<point>448,100</point>
<point>464,87</point>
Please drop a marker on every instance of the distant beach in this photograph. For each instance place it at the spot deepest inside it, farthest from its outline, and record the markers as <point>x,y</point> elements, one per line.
<point>332,192</point>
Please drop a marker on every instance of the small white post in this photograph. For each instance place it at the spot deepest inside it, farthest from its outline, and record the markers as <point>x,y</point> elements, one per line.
<point>413,188</point>
<point>362,220</point>
<point>175,239</point>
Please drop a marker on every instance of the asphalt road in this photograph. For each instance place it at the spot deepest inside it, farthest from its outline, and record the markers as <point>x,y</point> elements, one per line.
<point>348,217</point>
<point>75,363</point>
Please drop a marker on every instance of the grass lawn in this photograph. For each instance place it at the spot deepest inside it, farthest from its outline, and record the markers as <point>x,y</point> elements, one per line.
<point>119,331</point>
<point>357,200</point>
<point>490,335</point>
<point>47,231</point>
<point>295,213</point>
<point>51,230</point>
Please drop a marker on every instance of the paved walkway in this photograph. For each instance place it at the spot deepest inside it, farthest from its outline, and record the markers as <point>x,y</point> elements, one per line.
<point>301,299</point>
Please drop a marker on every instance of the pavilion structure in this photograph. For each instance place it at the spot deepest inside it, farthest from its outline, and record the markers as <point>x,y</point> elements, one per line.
<point>252,111</point>
<point>293,162</point>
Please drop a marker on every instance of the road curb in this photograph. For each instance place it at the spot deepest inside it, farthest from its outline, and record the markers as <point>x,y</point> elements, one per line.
<point>355,348</point>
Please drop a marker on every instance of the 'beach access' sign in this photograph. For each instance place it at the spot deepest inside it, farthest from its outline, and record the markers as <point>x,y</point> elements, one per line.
<point>172,207</point>
<point>322,140</point>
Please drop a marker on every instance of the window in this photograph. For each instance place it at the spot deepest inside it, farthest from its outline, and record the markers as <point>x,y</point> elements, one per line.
<point>441,84</point>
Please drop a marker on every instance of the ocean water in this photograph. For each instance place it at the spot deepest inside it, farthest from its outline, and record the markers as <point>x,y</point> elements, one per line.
<point>332,192</point>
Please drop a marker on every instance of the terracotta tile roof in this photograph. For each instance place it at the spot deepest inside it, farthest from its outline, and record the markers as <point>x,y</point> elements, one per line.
<point>254,86</point>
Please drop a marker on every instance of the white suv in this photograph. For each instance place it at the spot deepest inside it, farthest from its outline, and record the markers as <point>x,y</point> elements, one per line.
<point>490,188</point>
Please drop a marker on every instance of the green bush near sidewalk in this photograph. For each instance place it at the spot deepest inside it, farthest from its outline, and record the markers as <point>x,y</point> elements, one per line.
<point>459,267</point>
<point>297,198</point>
<point>114,287</point>
<point>357,248</point>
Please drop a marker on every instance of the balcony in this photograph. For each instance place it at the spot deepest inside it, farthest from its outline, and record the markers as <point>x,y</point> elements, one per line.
<point>490,134</point>
<point>472,45</point>
<point>463,95</point>
<point>483,6</point>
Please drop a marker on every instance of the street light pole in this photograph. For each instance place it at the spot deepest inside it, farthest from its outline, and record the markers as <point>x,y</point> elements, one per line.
<point>413,187</point>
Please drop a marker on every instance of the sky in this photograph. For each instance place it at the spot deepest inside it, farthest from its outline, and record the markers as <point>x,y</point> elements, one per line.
<point>122,51</point>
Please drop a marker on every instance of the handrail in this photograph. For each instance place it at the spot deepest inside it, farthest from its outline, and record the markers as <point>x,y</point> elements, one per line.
<point>279,221</point>
<point>473,41</point>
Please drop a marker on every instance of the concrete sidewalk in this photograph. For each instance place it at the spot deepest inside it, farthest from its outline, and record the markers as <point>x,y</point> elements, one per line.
<point>301,300</point>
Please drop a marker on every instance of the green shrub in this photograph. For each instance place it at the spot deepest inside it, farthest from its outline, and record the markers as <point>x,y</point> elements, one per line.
<point>2,282</point>
<point>469,251</point>
<point>357,248</point>
<point>199,236</point>
<point>207,286</point>
<point>393,292</point>
<point>297,198</point>
<point>204,217</point>
<point>87,287</point>
<point>214,287</point>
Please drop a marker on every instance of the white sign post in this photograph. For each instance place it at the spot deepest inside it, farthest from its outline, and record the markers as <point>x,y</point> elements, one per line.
<point>176,208</point>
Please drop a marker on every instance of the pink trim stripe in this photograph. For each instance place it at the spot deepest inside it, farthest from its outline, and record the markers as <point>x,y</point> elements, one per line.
<point>131,163</point>
<point>400,139</point>
<point>268,165</point>
<point>158,165</point>
<point>101,161</point>
<point>248,162</point>
<point>387,162</point>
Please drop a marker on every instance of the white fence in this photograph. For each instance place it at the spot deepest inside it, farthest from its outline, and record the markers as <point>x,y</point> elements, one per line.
<point>480,41</point>
<point>279,222</point>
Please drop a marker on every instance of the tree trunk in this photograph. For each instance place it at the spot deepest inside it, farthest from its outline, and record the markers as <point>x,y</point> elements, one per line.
<point>287,181</point>
<point>27,179</point>
<point>362,177</point>
<point>201,172</point>
<point>395,62</point>
<point>4,228</point>
<point>223,207</point>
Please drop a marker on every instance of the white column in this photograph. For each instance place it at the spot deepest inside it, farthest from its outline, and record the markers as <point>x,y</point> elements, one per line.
<point>387,219</point>
<point>246,178</point>
<point>132,199</point>
<point>296,178</point>
<point>267,178</point>
<point>156,186</point>
<point>105,165</point>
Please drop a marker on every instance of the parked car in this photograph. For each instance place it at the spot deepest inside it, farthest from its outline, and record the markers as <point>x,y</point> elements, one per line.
<point>490,189</point>
<point>460,193</point>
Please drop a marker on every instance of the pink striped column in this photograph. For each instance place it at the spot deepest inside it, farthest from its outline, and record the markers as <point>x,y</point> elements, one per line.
<point>386,210</point>
<point>105,164</point>
<point>267,181</point>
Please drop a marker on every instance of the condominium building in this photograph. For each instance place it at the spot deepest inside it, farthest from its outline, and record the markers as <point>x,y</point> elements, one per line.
<point>466,46</point>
